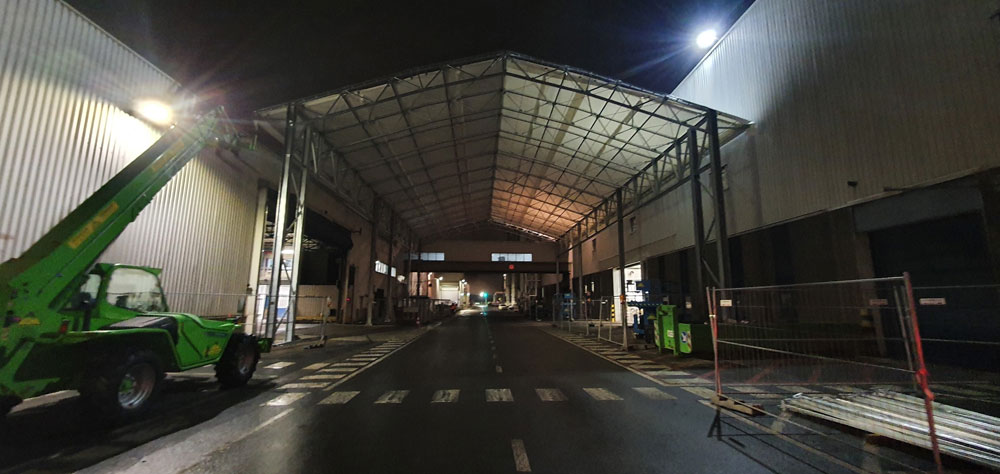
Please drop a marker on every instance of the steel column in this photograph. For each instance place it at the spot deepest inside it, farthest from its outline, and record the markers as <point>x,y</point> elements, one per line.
<point>371,262</point>
<point>388,274</point>
<point>621,274</point>
<point>279,224</point>
<point>260,221</point>
<point>300,217</point>
<point>722,240</point>
<point>699,224</point>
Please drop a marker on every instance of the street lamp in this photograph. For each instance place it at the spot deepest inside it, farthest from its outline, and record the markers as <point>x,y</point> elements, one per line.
<point>155,111</point>
<point>706,38</point>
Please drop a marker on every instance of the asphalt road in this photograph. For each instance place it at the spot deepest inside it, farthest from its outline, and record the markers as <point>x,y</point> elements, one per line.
<point>480,393</point>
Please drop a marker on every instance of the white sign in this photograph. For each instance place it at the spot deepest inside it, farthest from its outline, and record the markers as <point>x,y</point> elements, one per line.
<point>932,302</point>
<point>725,303</point>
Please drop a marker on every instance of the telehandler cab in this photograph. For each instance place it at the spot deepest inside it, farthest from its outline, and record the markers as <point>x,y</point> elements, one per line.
<point>69,323</point>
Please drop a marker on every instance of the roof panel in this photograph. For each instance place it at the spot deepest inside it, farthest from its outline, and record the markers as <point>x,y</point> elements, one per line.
<point>504,139</point>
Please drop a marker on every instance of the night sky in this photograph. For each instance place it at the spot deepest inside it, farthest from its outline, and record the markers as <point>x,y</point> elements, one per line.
<point>248,54</point>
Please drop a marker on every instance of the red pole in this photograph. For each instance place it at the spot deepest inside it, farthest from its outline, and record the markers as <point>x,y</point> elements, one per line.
<point>922,374</point>
<point>710,294</point>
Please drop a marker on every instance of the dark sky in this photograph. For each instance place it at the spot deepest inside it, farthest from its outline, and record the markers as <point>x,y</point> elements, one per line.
<point>248,54</point>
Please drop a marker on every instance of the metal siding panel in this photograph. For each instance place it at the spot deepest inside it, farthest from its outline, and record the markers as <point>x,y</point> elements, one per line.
<point>65,86</point>
<point>890,93</point>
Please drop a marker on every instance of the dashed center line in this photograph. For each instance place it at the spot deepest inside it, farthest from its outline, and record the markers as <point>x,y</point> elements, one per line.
<point>284,399</point>
<point>279,365</point>
<point>654,393</point>
<point>521,463</point>
<point>339,398</point>
<point>317,366</point>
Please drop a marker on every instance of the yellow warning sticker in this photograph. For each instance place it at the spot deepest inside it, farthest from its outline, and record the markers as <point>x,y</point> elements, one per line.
<point>83,234</point>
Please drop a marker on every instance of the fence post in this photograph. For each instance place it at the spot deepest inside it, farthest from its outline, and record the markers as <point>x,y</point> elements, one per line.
<point>922,374</point>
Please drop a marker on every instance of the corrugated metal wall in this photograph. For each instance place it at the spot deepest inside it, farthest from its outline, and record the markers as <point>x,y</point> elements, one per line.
<point>66,87</point>
<point>888,93</point>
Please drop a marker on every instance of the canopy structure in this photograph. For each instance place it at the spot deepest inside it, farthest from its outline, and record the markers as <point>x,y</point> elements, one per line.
<point>502,140</point>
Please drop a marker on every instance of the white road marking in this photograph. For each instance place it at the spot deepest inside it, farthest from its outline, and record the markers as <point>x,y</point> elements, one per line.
<point>601,394</point>
<point>626,356</point>
<point>445,396</point>
<point>392,396</point>
<point>323,377</point>
<point>339,398</point>
<point>691,381</point>
<point>301,385</point>
<point>499,369</point>
<point>340,369</point>
<point>702,392</point>
<point>284,399</point>
<point>499,395</point>
<point>654,393</point>
<point>317,366</point>
<point>366,360</point>
<point>279,365</point>
<point>350,364</point>
<point>521,463</point>
<point>778,425</point>
<point>669,373</point>
<point>550,394</point>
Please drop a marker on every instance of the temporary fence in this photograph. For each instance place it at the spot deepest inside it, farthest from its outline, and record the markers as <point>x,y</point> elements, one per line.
<point>820,345</point>
<point>593,317</point>
<point>960,329</point>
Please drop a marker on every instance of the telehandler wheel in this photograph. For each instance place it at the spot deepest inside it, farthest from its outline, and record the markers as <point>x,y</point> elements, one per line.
<point>122,385</point>
<point>238,361</point>
<point>7,404</point>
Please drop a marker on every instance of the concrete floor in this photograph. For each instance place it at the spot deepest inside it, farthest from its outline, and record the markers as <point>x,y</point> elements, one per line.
<point>479,393</point>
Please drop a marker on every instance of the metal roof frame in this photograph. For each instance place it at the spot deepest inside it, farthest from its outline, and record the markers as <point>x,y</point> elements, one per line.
<point>502,140</point>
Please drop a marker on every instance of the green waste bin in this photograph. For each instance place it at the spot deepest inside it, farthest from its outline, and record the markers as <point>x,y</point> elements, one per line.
<point>665,329</point>
<point>694,338</point>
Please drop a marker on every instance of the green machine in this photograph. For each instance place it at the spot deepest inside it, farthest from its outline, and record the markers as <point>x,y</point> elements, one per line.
<point>680,338</point>
<point>104,329</point>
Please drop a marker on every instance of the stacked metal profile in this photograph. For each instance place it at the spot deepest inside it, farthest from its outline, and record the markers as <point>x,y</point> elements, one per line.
<point>961,433</point>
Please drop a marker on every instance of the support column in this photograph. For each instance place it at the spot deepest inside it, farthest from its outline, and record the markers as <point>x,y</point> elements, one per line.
<point>722,240</point>
<point>300,218</point>
<point>260,221</point>
<point>279,224</point>
<point>623,312</point>
<point>389,280</point>
<point>579,281</point>
<point>698,290</point>
<point>371,263</point>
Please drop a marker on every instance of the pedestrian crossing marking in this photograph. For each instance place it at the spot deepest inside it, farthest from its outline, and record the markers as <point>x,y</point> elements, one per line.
<point>350,364</point>
<point>691,381</point>
<point>317,366</point>
<point>702,392</point>
<point>445,396</point>
<point>302,385</point>
<point>550,394</point>
<point>285,399</point>
<point>601,394</point>
<point>499,395</point>
<point>279,365</point>
<point>392,396</point>
<point>670,373</point>
<point>626,356</point>
<point>798,389</point>
<point>361,359</point>
<point>339,369</point>
<point>339,398</point>
<point>324,377</point>
<point>654,393</point>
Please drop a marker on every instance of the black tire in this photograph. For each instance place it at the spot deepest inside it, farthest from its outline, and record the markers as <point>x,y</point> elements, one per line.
<point>238,361</point>
<point>123,385</point>
<point>7,404</point>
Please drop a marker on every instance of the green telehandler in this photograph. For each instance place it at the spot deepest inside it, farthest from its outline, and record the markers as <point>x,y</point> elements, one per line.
<point>69,323</point>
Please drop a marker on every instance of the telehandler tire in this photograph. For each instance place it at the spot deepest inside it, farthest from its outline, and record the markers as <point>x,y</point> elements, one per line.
<point>123,385</point>
<point>238,361</point>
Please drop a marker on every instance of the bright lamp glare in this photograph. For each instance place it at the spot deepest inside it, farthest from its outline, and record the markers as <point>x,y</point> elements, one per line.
<point>155,111</point>
<point>706,38</point>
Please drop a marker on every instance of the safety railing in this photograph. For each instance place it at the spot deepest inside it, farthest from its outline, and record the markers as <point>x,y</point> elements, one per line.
<point>848,352</point>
